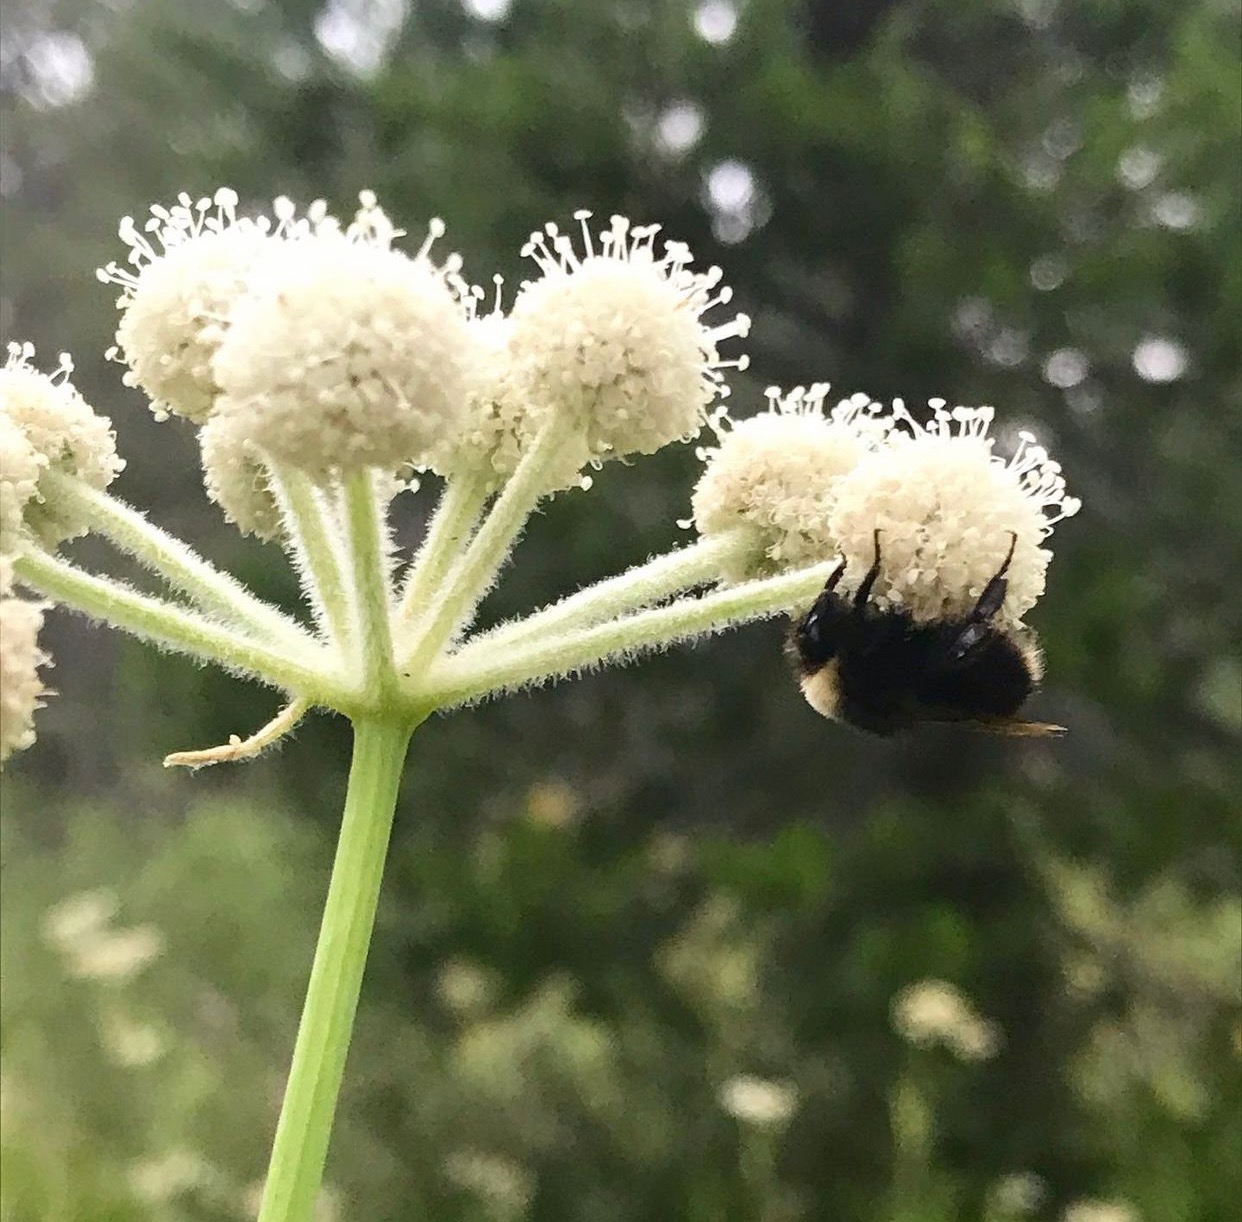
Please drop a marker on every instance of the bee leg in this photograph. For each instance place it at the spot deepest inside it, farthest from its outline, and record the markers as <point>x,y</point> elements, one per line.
<point>990,602</point>
<point>864,590</point>
<point>808,630</point>
<point>994,592</point>
<point>835,579</point>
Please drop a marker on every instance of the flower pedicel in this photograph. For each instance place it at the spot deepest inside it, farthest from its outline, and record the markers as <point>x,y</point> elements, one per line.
<point>322,366</point>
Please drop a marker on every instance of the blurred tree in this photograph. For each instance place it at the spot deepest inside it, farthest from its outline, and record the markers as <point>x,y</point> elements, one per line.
<point>1024,203</point>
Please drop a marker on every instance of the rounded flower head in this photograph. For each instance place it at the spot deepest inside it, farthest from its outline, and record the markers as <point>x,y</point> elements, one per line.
<point>346,353</point>
<point>20,467</point>
<point>1090,1210</point>
<point>948,509</point>
<point>774,475</point>
<point>934,1012</point>
<point>64,433</point>
<point>21,688</point>
<point>496,428</point>
<point>236,478</point>
<point>614,341</point>
<point>758,1101</point>
<point>189,266</point>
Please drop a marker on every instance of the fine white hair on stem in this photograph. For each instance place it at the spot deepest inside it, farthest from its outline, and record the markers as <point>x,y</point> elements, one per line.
<point>480,670</point>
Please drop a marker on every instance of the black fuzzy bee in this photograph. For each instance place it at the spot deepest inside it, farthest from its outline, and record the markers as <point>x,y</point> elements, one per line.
<point>883,672</point>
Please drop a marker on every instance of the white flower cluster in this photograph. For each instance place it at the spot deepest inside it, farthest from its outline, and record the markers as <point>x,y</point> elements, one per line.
<point>322,366</point>
<point>45,427</point>
<point>612,340</point>
<point>301,343</point>
<point>805,485</point>
<point>933,1012</point>
<point>759,1101</point>
<point>774,476</point>
<point>21,688</point>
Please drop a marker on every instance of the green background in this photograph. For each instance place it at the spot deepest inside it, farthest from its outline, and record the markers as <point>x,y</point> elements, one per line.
<point>608,899</point>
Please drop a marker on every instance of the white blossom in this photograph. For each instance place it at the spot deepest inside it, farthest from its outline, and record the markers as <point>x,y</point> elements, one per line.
<point>947,509</point>
<point>21,688</point>
<point>236,478</point>
<point>346,353</point>
<point>774,475</point>
<point>63,430</point>
<point>189,264</point>
<point>613,340</point>
<point>935,1012</point>
<point>20,468</point>
<point>758,1101</point>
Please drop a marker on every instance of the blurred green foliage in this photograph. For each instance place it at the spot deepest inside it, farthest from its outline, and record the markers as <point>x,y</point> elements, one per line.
<point>556,1026</point>
<point>609,900</point>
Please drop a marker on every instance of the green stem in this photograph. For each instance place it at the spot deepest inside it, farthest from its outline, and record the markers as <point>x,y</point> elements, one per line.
<point>460,505</point>
<point>301,1144</point>
<point>698,564</point>
<point>370,576</point>
<point>178,629</point>
<point>479,669</point>
<point>472,576</point>
<point>215,592</point>
<point>313,537</point>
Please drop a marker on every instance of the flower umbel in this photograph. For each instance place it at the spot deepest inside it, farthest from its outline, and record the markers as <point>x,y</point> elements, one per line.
<point>323,365</point>
<point>346,353</point>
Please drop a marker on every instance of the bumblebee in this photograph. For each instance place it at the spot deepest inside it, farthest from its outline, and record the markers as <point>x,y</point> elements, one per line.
<point>883,672</point>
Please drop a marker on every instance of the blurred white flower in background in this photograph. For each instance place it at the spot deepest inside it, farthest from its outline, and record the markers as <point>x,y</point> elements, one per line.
<point>934,1012</point>
<point>759,1101</point>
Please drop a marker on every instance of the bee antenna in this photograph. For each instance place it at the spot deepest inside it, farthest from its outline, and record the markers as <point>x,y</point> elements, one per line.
<point>864,590</point>
<point>1013,543</point>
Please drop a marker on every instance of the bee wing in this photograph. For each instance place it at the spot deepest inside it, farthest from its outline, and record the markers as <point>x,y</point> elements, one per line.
<point>1010,726</point>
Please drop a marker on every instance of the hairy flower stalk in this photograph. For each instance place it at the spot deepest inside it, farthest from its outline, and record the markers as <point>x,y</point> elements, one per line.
<point>322,365</point>
<point>480,670</point>
<point>313,541</point>
<point>448,532</point>
<point>699,564</point>
<point>218,594</point>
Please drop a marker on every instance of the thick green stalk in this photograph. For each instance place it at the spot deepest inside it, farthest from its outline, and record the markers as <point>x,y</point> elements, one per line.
<point>301,1144</point>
